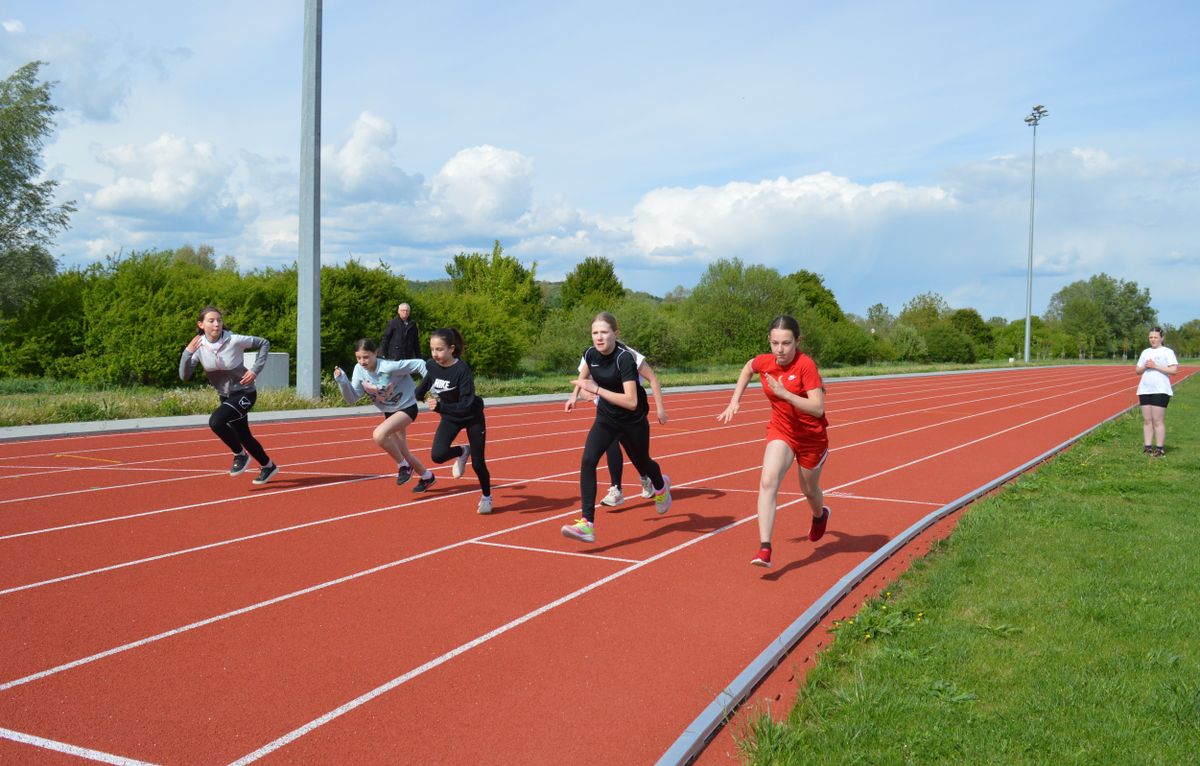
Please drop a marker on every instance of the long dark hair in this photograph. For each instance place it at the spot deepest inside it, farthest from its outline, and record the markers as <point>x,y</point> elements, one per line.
<point>786,322</point>
<point>364,344</point>
<point>452,338</point>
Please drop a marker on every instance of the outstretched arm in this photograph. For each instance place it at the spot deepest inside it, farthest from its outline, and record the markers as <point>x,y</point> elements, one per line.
<point>738,390</point>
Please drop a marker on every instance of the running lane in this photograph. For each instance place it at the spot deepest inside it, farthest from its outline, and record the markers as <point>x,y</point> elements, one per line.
<point>339,618</point>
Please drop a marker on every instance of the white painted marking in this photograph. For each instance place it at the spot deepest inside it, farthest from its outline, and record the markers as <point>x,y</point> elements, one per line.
<point>75,750</point>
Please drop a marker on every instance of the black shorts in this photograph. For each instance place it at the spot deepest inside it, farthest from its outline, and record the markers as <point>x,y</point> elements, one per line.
<point>410,410</point>
<point>1154,400</point>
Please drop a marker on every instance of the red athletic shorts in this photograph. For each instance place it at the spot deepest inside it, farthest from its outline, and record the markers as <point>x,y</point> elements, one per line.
<point>810,453</point>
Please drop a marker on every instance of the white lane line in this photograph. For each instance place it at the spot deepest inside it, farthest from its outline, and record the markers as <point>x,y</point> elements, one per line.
<point>534,549</point>
<point>123,565</point>
<point>852,496</point>
<point>269,602</point>
<point>314,724</point>
<point>189,506</point>
<point>75,750</point>
<point>354,576</point>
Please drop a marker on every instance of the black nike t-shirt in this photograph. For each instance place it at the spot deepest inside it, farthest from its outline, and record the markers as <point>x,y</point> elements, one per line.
<point>611,371</point>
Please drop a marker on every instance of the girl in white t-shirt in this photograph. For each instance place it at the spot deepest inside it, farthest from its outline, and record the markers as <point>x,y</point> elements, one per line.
<point>1155,365</point>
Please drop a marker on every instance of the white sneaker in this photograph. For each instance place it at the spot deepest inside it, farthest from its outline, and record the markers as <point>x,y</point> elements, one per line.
<point>614,497</point>
<point>485,506</point>
<point>647,487</point>
<point>460,462</point>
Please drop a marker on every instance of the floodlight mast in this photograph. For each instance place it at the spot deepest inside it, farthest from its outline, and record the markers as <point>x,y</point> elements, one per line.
<point>1032,120</point>
<point>308,268</point>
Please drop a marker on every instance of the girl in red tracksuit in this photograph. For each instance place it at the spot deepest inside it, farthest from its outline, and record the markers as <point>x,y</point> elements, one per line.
<point>796,431</point>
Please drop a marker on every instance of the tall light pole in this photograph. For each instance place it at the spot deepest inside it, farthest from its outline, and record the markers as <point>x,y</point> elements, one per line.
<point>308,266</point>
<point>1032,120</point>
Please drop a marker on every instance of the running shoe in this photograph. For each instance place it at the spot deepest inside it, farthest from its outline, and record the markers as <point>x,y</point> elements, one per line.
<point>662,499</point>
<point>647,488</point>
<point>239,464</point>
<point>424,484</point>
<point>460,463</point>
<point>817,530</point>
<point>582,530</point>
<point>1147,450</point>
<point>614,497</point>
<point>763,559</point>
<point>485,506</point>
<point>268,470</point>
<point>403,474</point>
<point>1160,452</point>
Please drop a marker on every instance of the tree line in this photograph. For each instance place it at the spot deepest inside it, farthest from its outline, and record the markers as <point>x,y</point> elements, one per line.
<point>123,321</point>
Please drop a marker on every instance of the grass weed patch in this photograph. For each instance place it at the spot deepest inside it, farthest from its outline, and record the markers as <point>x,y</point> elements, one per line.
<point>1056,624</point>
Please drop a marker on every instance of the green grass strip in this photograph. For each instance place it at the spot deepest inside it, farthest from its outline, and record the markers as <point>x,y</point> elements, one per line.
<point>1059,623</point>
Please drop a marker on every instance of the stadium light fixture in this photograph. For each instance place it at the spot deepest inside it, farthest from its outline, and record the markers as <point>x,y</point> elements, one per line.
<point>1032,121</point>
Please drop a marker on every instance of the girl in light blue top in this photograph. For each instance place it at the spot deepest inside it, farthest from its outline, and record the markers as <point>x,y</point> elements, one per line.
<point>389,386</point>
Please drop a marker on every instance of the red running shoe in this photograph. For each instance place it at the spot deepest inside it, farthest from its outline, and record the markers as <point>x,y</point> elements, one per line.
<point>763,559</point>
<point>817,530</point>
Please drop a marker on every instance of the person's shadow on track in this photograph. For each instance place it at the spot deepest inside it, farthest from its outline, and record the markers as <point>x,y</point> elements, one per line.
<point>824,548</point>
<point>307,481</point>
<point>522,502</point>
<point>692,523</point>
<point>637,502</point>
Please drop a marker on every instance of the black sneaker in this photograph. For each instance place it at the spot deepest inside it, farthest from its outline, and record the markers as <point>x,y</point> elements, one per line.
<point>403,474</point>
<point>424,484</point>
<point>268,470</point>
<point>1160,452</point>
<point>239,464</point>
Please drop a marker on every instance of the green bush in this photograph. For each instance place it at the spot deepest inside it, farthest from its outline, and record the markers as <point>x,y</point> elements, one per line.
<point>946,344</point>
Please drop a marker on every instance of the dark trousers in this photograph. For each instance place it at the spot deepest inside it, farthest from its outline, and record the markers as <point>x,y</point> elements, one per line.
<point>606,432</point>
<point>231,423</point>
<point>476,436</point>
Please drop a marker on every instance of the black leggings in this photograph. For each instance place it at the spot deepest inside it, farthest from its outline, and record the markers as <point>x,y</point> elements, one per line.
<point>616,464</point>
<point>476,437</point>
<point>231,423</point>
<point>606,432</point>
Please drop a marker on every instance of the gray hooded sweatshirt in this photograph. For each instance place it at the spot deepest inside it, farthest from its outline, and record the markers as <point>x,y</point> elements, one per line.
<point>224,361</point>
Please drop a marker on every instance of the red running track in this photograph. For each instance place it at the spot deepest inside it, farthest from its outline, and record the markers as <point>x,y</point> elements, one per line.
<point>157,610</point>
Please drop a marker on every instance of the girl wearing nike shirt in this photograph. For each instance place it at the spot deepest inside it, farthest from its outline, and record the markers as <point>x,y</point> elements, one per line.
<point>449,388</point>
<point>612,376</point>
<point>796,431</point>
<point>222,355</point>
<point>389,386</point>
<point>616,466</point>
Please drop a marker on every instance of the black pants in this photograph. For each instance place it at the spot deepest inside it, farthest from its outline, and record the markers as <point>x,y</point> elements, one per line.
<point>231,423</point>
<point>605,432</point>
<point>476,436</point>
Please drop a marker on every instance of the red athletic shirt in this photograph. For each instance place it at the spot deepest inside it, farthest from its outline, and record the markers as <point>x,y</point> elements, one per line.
<point>798,377</point>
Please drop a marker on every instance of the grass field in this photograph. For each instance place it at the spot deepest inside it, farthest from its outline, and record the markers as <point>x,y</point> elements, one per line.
<point>1058,624</point>
<point>25,402</point>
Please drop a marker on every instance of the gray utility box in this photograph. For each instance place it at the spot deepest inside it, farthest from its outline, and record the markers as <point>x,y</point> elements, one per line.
<point>274,375</point>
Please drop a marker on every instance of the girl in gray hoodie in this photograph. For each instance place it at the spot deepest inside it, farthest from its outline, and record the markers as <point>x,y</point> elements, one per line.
<point>220,353</point>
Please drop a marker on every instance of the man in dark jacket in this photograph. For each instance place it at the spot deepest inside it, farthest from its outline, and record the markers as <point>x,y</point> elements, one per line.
<point>400,340</point>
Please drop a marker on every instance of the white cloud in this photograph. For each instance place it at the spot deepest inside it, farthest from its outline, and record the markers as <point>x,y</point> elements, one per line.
<point>94,76</point>
<point>167,184</point>
<point>363,168</point>
<point>768,219</point>
<point>483,186</point>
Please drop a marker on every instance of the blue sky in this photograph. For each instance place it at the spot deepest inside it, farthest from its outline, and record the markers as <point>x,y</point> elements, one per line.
<point>879,144</point>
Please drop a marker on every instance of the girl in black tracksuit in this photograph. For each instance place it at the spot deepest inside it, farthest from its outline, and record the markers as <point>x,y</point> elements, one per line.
<point>612,376</point>
<point>450,391</point>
